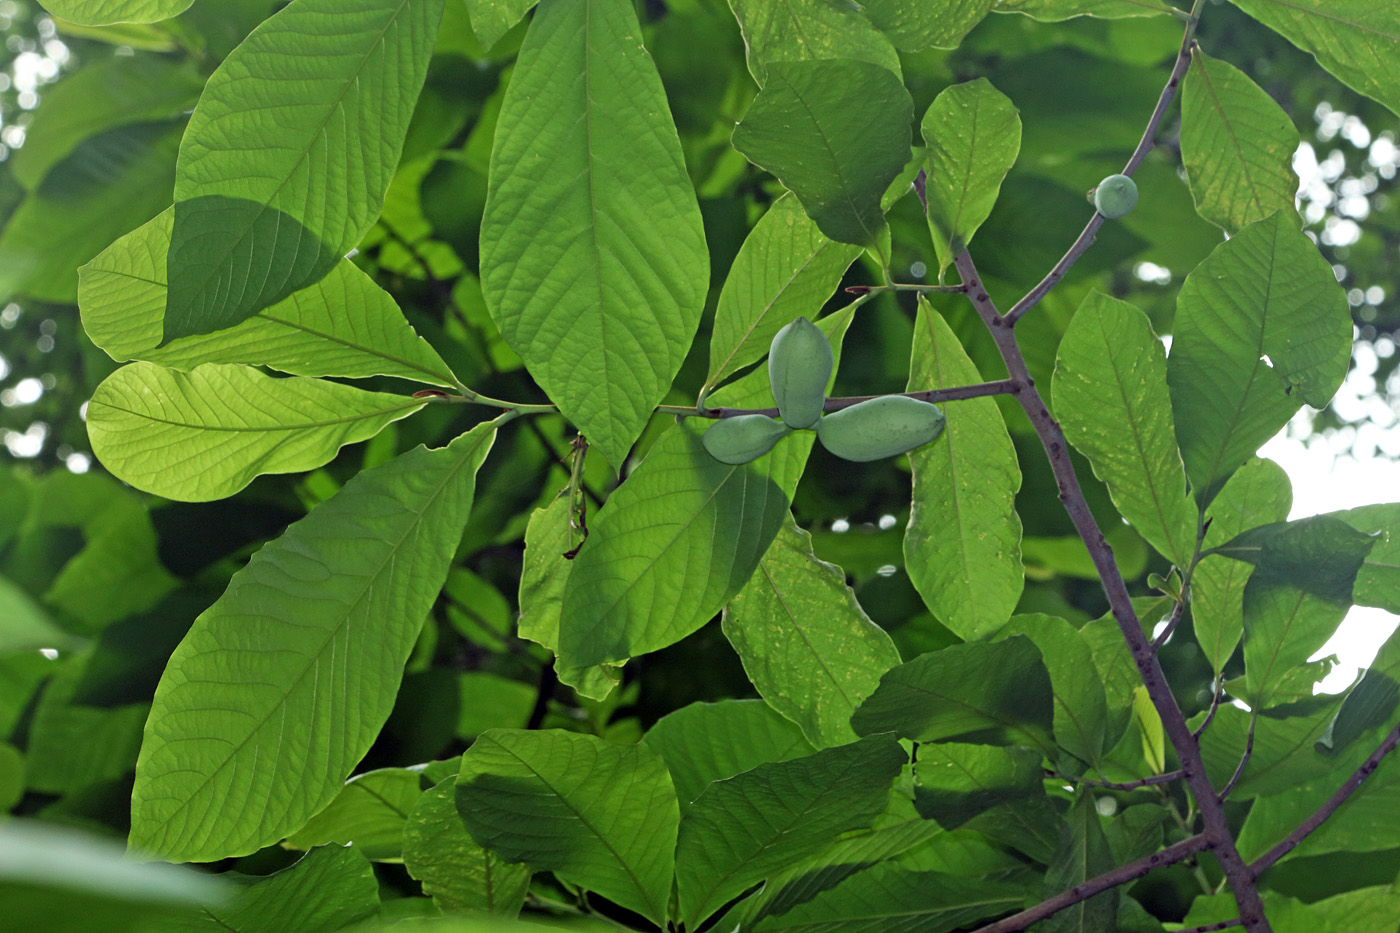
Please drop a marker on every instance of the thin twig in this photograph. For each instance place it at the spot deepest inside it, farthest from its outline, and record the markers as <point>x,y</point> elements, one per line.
<point>1140,782</point>
<point>1172,854</point>
<point>1086,238</point>
<point>1244,760</point>
<point>900,287</point>
<point>1211,927</point>
<point>1052,438</point>
<point>1172,620</point>
<point>1349,786</point>
<point>1219,688</point>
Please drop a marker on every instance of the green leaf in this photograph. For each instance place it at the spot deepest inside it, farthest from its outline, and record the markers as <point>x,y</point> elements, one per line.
<point>299,660</point>
<point>549,536</point>
<point>99,97</point>
<point>286,159</point>
<point>1369,821</point>
<point>1081,710</point>
<point>369,812</point>
<point>1283,626</point>
<point>457,873</point>
<point>955,782</point>
<point>208,433</point>
<point>973,134</point>
<point>808,30</point>
<point>492,19</point>
<point>962,545</point>
<point>806,644</point>
<point>343,325</point>
<point>1356,40</point>
<point>676,542</point>
<point>889,898</point>
<point>837,159</point>
<point>27,626</point>
<point>1264,292</point>
<point>707,742</point>
<point>1378,581</point>
<point>1237,145</point>
<point>786,269</point>
<point>329,889</point>
<point>1258,494</point>
<point>988,693</point>
<point>57,879</point>
<point>117,574</point>
<point>742,830</point>
<point>1083,853</point>
<point>106,12</point>
<point>913,25</point>
<point>1283,754</point>
<point>600,815</point>
<point>593,257</point>
<point>1321,554</point>
<point>1111,397</point>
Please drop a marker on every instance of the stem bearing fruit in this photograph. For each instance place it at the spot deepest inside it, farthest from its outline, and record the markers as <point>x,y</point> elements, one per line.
<point>880,427</point>
<point>799,367</point>
<point>743,437</point>
<point>1116,196</point>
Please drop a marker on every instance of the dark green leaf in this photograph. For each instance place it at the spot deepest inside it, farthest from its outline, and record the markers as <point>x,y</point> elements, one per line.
<point>742,830</point>
<point>597,814</point>
<point>992,693</point>
<point>492,19</point>
<point>1081,712</point>
<point>1322,554</point>
<point>954,782</point>
<point>837,159</point>
<point>457,873</point>
<point>1082,854</point>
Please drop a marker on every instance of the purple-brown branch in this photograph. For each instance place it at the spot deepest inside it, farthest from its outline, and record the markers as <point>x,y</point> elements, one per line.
<point>1172,854</point>
<point>1349,787</point>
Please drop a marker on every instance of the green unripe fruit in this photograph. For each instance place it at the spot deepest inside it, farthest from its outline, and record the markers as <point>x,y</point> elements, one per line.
<point>799,367</point>
<point>743,437</point>
<point>880,427</point>
<point>1116,196</point>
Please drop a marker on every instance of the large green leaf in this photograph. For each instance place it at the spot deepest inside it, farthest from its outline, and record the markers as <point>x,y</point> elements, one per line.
<point>593,257</point>
<point>106,12</point>
<point>286,159</point>
<point>954,782</point>
<point>1370,703</point>
<point>670,547</point>
<point>1283,751</point>
<point>962,545</point>
<point>707,742</point>
<point>1378,581</point>
<point>1356,40</point>
<point>890,898</point>
<point>913,25</point>
<point>838,159</point>
<point>973,134</point>
<point>601,815</point>
<point>744,829</point>
<point>808,30</point>
<point>99,97</point>
<point>492,19</point>
<point>1369,821</point>
<point>1081,710</point>
<point>993,693</point>
<point>1258,494</point>
<point>806,644</point>
<point>329,889</point>
<point>1111,398</point>
<point>1237,145</point>
<point>786,268</point>
<point>455,872</point>
<point>369,812</point>
<point>343,325</point>
<point>1266,292</point>
<point>208,433</point>
<point>282,685</point>
<point>1083,853</point>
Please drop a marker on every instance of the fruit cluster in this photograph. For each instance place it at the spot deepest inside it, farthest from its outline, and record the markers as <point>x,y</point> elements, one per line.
<point>799,367</point>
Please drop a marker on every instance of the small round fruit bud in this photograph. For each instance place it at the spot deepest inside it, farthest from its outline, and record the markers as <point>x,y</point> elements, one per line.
<point>1116,196</point>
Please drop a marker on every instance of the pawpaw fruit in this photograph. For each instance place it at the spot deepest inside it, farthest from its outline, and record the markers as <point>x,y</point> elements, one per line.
<point>880,427</point>
<point>743,437</point>
<point>1116,196</point>
<point>799,367</point>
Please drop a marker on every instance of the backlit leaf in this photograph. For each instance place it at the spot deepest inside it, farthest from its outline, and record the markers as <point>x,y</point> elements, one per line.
<point>282,685</point>
<point>207,433</point>
<point>808,30</point>
<point>455,872</point>
<point>105,12</point>
<point>593,258</point>
<point>920,24</point>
